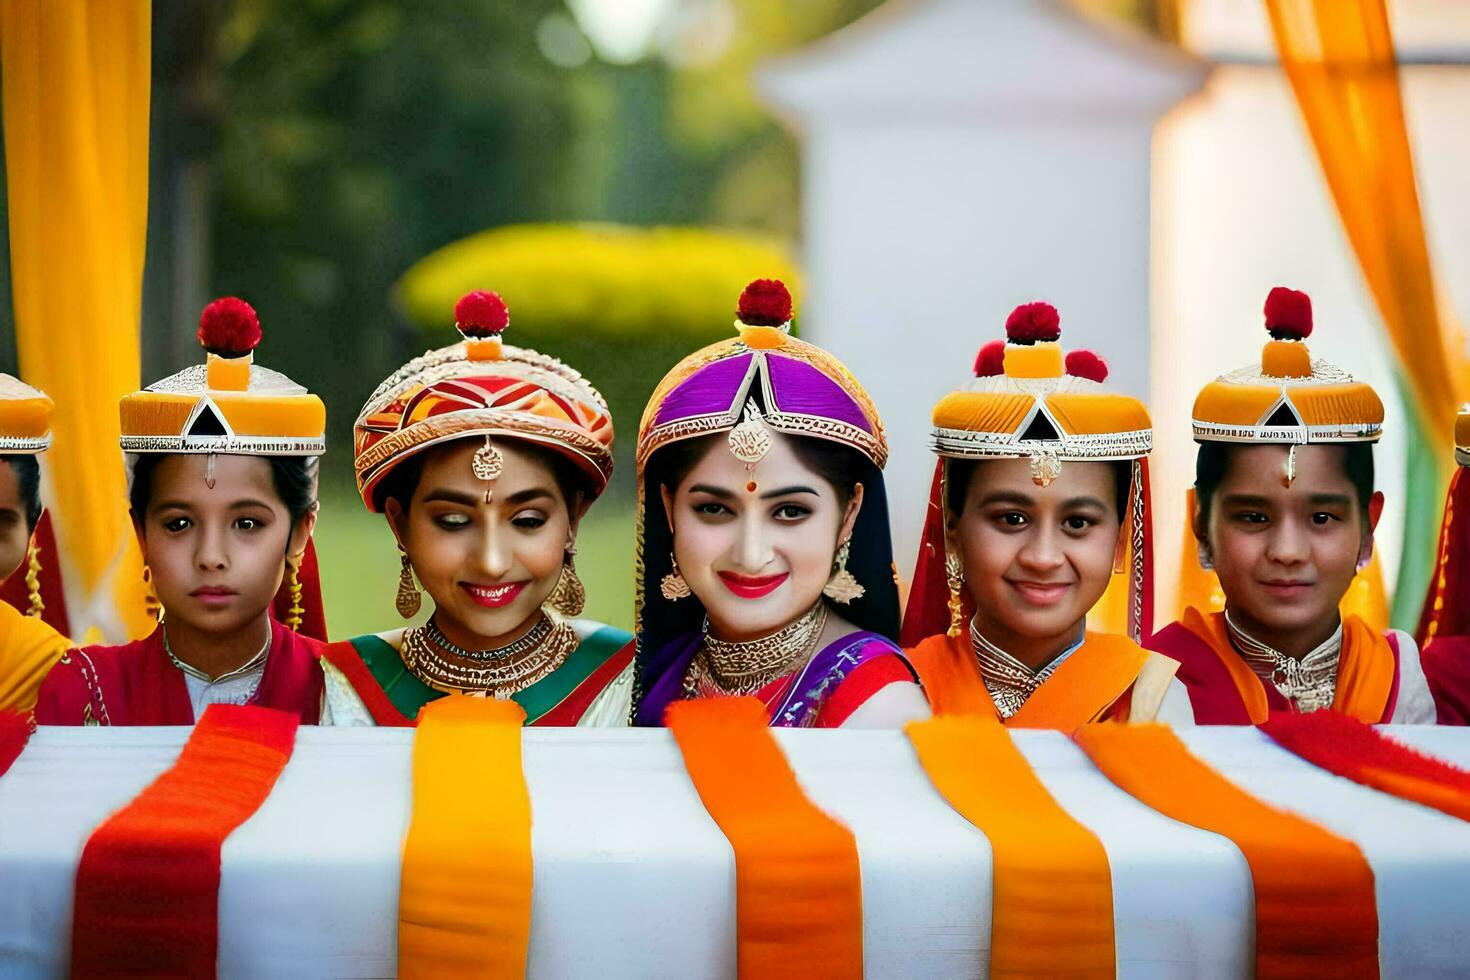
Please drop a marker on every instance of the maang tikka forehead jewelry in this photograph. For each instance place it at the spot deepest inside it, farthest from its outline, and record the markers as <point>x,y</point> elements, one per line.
<point>487,464</point>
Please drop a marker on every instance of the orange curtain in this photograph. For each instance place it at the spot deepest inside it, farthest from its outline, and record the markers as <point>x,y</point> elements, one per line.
<point>75,82</point>
<point>1340,59</point>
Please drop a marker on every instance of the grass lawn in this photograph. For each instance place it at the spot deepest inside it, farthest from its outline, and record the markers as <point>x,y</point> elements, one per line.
<point>359,565</point>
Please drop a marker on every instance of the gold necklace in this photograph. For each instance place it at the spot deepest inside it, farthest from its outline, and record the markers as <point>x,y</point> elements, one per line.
<point>747,666</point>
<point>498,672</point>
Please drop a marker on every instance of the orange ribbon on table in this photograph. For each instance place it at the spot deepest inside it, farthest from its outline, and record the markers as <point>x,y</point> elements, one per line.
<point>1316,911</point>
<point>798,884</point>
<point>464,902</point>
<point>147,887</point>
<point>1053,890</point>
<point>1346,747</point>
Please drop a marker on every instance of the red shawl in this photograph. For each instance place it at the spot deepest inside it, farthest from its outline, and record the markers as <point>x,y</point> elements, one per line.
<point>137,683</point>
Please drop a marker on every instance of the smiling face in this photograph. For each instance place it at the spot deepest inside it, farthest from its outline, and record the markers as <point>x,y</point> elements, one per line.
<point>1036,559</point>
<point>1285,555</point>
<point>217,555</point>
<point>487,566</point>
<point>757,559</point>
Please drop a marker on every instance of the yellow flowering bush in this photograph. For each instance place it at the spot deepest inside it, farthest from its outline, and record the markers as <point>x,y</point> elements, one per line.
<point>596,281</point>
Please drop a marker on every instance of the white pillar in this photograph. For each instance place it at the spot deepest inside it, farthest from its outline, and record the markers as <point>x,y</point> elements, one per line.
<point>961,157</point>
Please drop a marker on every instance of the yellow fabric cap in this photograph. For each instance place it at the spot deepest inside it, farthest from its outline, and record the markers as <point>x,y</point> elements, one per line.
<point>1042,360</point>
<point>1286,359</point>
<point>25,417</point>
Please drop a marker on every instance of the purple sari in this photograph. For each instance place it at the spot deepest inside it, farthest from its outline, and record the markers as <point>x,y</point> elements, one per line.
<point>804,695</point>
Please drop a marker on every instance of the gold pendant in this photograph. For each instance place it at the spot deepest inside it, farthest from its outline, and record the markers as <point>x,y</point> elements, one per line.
<point>487,462</point>
<point>1045,467</point>
<point>751,440</point>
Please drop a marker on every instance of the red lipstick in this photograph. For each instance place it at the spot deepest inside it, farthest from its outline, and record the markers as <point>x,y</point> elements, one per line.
<point>493,596</point>
<point>753,586</point>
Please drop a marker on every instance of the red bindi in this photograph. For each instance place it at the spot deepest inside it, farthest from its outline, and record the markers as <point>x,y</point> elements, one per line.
<point>750,487</point>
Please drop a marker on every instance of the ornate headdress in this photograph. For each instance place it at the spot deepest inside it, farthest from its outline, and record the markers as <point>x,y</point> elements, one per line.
<point>482,387</point>
<point>25,430</point>
<point>1288,398</point>
<point>25,418</point>
<point>763,379</point>
<point>232,406</point>
<point>760,382</point>
<point>1446,609</point>
<point>1030,401</point>
<point>227,404</point>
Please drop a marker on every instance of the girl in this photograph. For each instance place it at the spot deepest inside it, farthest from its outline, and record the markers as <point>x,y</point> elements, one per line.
<point>1039,494</point>
<point>483,458</point>
<point>222,488</point>
<point>767,568</point>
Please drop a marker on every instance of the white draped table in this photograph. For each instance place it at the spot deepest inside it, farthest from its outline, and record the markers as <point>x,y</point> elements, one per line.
<point>633,878</point>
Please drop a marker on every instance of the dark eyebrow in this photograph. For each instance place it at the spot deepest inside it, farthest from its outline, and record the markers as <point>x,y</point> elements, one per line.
<point>167,504</point>
<point>1331,500</point>
<point>784,491</point>
<point>453,497</point>
<point>1245,500</point>
<point>529,494</point>
<point>1072,502</point>
<point>249,502</point>
<point>719,492</point>
<point>1005,497</point>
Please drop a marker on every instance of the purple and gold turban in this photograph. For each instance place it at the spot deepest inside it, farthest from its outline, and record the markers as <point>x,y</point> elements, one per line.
<point>805,391</point>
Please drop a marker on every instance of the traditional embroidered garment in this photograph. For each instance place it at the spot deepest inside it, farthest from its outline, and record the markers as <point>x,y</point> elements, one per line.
<point>229,405</point>
<point>1444,623</point>
<point>765,381</point>
<point>30,643</point>
<point>1028,401</point>
<point>1104,678</point>
<point>1293,400</point>
<point>368,684</point>
<point>139,683</point>
<point>488,391</point>
<point>1378,678</point>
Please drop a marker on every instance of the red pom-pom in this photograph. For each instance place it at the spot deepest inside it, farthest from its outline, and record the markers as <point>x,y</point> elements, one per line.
<point>1031,322</point>
<point>1288,314</point>
<point>481,314</point>
<point>229,327</point>
<point>991,360</point>
<point>765,303</point>
<point>1086,364</point>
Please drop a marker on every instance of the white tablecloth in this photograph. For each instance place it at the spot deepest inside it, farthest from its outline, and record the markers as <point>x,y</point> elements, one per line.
<point>633,879</point>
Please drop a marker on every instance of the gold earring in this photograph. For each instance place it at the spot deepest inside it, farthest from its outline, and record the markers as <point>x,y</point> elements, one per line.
<point>409,599</point>
<point>152,605</point>
<point>954,574</point>
<point>569,597</point>
<point>842,586</point>
<point>33,580</point>
<point>293,589</point>
<point>673,587</point>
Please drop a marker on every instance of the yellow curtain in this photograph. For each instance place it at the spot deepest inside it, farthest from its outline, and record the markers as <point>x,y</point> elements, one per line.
<point>75,78</point>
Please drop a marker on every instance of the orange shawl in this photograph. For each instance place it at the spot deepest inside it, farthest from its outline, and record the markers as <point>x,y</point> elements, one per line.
<point>1366,668</point>
<point>1085,688</point>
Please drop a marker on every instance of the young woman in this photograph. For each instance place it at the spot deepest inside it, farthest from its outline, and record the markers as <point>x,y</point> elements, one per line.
<point>483,458</point>
<point>766,564</point>
<point>223,464</point>
<point>1444,623</point>
<point>1039,494</point>
<point>28,645</point>
<point>1285,512</point>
